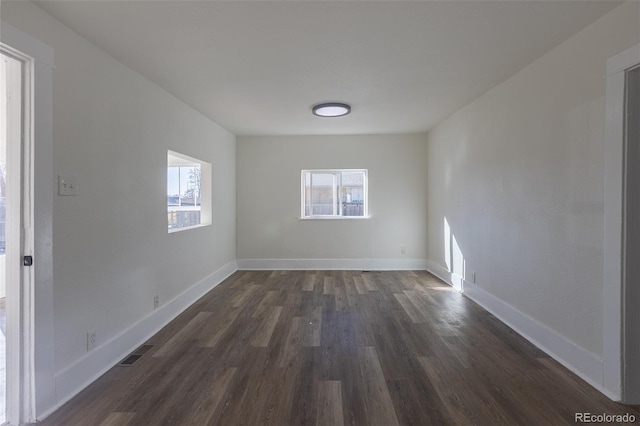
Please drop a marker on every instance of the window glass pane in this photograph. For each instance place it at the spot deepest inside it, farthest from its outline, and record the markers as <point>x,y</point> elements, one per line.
<point>190,185</point>
<point>322,194</point>
<point>352,193</point>
<point>307,194</point>
<point>184,180</point>
<point>173,186</point>
<point>194,184</point>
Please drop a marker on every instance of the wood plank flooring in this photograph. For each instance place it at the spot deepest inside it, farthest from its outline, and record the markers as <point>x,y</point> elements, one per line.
<point>336,348</point>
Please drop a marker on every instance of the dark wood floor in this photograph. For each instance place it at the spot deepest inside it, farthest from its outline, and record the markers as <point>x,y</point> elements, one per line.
<point>332,348</point>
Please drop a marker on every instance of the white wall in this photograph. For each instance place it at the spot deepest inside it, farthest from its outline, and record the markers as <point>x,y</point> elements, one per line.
<point>112,252</point>
<point>268,199</point>
<point>518,175</point>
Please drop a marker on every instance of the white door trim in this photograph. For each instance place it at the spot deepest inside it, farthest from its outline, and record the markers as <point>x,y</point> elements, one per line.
<point>37,380</point>
<point>18,234</point>
<point>614,299</point>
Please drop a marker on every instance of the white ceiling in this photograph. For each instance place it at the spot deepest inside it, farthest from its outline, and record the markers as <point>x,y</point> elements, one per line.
<point>256,68</point>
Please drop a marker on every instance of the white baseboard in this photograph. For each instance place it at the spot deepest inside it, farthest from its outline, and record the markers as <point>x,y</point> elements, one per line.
<point>94,364</point>
<point>454,280</point>
<point>332,264</point>
<point>583,363</point>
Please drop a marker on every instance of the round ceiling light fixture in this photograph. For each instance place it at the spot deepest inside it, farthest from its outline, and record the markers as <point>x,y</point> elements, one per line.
<point>331,109</point>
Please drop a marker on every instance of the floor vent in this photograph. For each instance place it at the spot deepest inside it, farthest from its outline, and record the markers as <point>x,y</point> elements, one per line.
<point>128,361</point>
<point>136,355</point>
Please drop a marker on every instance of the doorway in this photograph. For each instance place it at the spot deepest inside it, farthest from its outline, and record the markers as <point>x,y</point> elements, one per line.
<point>14,214</point>
<point>10,134</point>
<point>621,351</point>
<point>29,307</point>
<point>631,271</point>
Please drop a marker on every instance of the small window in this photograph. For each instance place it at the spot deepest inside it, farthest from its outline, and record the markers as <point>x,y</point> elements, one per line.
<point>334,193</point>
<point>188,192</point>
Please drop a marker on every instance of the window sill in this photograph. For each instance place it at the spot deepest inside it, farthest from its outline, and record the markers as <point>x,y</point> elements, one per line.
<point>186,228</point>
<point>334,217</point>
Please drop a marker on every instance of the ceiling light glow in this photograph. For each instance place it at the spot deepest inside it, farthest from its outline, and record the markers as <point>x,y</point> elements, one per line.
<point>331,109</point>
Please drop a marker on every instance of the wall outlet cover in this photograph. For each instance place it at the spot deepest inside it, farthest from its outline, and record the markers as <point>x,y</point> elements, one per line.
<point>67,186</point>
<point>91,340</point>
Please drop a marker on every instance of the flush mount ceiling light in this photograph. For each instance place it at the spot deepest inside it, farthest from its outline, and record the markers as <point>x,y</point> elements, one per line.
<point>331,109</point>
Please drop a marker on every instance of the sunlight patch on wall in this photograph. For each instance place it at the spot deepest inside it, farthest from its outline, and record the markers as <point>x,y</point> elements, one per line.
<point>453,257</point>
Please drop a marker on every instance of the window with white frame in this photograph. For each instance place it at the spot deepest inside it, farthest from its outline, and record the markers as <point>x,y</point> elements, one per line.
<point>188,192</point>
<point>334,193</point>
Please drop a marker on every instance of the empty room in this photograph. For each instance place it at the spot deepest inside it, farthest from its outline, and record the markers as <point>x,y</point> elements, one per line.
<point>319,212</point>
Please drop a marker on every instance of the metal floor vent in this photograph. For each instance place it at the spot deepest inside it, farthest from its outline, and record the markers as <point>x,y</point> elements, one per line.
<point>128,361</point>
<point>136,355</point>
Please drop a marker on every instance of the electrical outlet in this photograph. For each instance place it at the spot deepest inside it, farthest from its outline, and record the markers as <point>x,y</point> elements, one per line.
<point>473,277</point>
<point>67,185</point>
<point>403,250</point>
<point>91,340</point>
<point>156,302</point>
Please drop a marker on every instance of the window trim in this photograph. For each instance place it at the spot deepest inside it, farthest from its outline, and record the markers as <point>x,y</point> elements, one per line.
<point>365,190</point>
<point>205,189</point>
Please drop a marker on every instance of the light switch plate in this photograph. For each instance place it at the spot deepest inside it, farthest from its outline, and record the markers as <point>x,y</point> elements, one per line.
<point>67,185</point>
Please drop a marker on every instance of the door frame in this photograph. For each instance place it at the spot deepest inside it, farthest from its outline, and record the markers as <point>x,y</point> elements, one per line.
<point>19,240</point>
<point>35,377</point>
<point>618,332</point>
